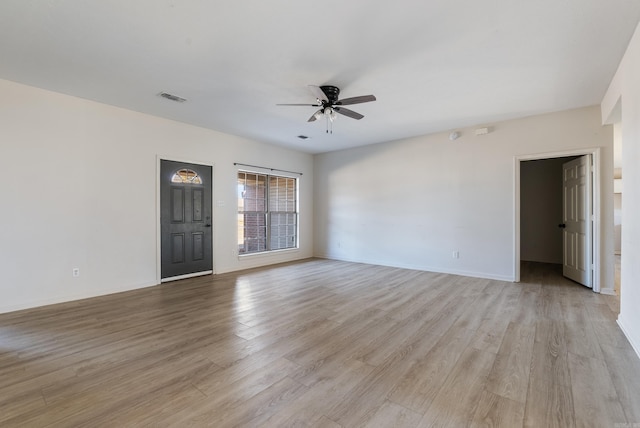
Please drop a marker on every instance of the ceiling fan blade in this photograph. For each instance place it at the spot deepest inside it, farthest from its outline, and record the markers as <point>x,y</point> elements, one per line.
<point>313,117</point>
<point>306,105</point>
<point>356,100</point>
<point>318,93</point>
<point>346,112</point>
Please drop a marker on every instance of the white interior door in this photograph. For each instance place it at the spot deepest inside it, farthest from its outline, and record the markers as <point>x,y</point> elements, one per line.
<point>577,221</point>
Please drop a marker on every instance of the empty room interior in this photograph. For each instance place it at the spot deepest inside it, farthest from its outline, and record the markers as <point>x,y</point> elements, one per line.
<point>280,214</point>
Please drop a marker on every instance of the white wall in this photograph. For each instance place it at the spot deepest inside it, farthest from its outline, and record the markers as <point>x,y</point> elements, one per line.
<point>79,190</point>
<point>411,203</point>
<point>541,210</point>
<point>625,86</point>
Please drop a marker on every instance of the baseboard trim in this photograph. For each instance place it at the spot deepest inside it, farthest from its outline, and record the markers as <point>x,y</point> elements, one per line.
<point>71,298</point>
<point>635,346</point>
<point>608,291</point>
<point>471,274</point>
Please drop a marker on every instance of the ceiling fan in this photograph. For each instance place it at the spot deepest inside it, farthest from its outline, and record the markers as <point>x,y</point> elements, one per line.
<point>331,106</point>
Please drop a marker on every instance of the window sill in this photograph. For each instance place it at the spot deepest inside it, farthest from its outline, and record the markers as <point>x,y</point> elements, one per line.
<point>266,254</point>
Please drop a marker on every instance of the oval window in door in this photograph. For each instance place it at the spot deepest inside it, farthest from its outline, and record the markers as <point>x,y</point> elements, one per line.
<point>186,176</point>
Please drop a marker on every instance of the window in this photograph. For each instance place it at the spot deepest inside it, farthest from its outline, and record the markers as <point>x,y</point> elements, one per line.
<point>186,176</point>
<point>267,212</point>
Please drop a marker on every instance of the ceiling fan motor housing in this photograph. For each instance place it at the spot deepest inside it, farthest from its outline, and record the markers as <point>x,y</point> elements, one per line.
<point>332,93</point>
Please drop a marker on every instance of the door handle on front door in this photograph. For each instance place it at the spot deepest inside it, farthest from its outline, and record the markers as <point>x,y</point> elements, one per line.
<point>562,225</point>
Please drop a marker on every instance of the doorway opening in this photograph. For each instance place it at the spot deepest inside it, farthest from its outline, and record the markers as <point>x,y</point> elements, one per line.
<point>617,203</point>
<point>540,227</point>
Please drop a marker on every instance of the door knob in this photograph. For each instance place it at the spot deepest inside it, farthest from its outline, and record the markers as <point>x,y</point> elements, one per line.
<point>562,225</point>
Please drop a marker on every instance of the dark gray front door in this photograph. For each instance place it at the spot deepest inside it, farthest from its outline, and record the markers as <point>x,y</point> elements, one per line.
<point>185,218</point>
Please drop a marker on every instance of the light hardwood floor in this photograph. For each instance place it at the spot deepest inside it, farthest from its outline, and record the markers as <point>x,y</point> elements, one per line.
<point>323,343</point>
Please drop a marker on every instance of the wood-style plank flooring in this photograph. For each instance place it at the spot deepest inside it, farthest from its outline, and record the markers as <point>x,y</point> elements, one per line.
<point>323,343</point>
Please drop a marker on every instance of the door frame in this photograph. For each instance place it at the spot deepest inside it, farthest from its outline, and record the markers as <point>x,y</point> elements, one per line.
<point>595,189</point>
<point>160,158</point>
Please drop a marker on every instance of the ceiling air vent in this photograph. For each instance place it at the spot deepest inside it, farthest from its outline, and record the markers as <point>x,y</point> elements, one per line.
<point>172,97</point>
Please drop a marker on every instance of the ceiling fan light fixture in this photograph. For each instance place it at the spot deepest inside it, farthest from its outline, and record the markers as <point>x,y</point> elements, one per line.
<point>327,98</point>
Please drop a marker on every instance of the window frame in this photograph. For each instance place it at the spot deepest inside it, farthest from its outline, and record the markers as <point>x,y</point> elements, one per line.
<point>268,213</point>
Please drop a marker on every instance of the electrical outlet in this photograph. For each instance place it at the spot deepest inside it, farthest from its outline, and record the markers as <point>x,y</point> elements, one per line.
<point>456,254</point>
<point>75,272</point>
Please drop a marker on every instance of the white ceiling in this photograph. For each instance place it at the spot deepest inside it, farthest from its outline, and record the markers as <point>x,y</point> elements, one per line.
<point>433,65</point>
